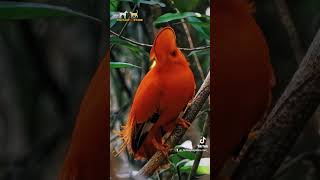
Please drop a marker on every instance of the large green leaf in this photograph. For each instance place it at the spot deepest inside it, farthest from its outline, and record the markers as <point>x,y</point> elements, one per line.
<point>174,158</point>
<point>149,2</point>
<point>184,150</point>
<point>186,154</point>
<point>184,7</point>
<point>122,65</point>
<point>203,168</point>
<point>153,3</point>
<point>182,162</point>
<point>114,5</point>
<point>202,27</point>
<point>26,10</point>
<point>175,16</point>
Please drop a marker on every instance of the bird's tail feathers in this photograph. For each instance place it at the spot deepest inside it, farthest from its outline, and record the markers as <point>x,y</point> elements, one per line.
<point>126,135</point>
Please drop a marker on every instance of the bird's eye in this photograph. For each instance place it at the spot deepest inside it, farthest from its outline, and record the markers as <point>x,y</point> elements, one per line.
<point>173,53</point>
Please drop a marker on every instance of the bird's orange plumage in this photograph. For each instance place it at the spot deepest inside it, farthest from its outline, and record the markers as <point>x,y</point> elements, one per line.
<point>161,96</point>
<point>242,78</point>
<point>87,154</point>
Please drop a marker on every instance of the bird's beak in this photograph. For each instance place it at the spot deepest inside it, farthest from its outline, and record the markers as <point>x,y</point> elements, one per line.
<point>154,62</point>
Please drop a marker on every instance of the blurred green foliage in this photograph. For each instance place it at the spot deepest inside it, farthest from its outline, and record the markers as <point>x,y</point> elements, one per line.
<point>27,10</point>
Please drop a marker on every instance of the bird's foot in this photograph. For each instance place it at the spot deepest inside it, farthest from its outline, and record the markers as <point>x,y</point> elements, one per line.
<point>164,148</point>
<point>187,106</point>
<point>253,135</point>
<point>184,123</point>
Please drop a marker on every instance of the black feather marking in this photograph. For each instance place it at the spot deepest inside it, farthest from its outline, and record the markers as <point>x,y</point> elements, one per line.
<point>137,131</point>
<point>141,139</point>
<point>163,132</point>
<point>154,118</point>
<point>141,131</point>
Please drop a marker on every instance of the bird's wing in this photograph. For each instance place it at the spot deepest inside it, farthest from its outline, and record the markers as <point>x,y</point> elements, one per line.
<point>145,109</point>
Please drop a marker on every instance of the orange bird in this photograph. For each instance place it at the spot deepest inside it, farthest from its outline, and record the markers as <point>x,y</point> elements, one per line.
<point>161,96</point>
<point>87,155</point>
<point>242,78</point>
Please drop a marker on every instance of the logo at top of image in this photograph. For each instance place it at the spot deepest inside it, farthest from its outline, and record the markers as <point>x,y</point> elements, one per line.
<point>128,16</point>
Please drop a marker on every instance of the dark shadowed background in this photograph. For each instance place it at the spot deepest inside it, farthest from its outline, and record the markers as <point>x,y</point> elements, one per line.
<point>303,162</point>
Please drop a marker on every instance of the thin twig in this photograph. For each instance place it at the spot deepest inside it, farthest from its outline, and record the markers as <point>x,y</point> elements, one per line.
<point>131,41</point>
<point>186,29</point>
<point>149,45</point>
<point>288,23</point>
<point>119,73</point>
<point>199,153</point>
<point>189,115</point>
<point>124,26</point>
<point>196,59</point>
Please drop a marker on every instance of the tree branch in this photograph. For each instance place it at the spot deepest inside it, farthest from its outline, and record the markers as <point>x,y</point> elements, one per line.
<point>294,161</point>
<point>286,121</point>
<point>158,158</point>
<point>149,45</point>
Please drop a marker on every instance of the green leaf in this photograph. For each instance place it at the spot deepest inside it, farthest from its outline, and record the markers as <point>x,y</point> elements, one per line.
<point>122,65</point>
<point>174,158</point>
<point>150,2</point>
<point>187,154</point>
<point>203,168</point>
<point>202,27</point>
<point>153,3</point>
<point>26,10</point>
<point>175,16</point>
<point>114,5</point>
<point>182,162</point>
<point>183,6</point>
<point>202,52</point>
